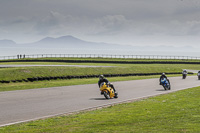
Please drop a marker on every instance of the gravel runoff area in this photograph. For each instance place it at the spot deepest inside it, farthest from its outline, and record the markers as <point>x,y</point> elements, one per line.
<point>4,66</point>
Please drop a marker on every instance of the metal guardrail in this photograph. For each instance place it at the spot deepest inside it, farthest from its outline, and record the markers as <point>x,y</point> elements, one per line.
<point>100,56</point>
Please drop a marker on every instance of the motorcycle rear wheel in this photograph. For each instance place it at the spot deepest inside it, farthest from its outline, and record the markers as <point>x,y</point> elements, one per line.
<point>116,95</point>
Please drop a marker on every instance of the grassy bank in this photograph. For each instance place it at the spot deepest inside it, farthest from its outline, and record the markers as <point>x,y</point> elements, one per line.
<point>20,73</point>
<point>174,112</point>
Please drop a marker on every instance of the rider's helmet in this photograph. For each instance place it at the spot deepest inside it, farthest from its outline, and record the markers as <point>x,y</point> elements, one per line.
<point>185,70</point>
<point>101,77</point>
<point>163,74</point>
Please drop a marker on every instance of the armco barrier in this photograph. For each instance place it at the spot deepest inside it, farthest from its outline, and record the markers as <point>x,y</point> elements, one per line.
<point>83,76</point>
<point>154,57</point>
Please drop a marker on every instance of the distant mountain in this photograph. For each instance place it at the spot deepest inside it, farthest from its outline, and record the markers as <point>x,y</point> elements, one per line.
<point>7,43</point>
<point>61,40</point>
<point>70,42</point>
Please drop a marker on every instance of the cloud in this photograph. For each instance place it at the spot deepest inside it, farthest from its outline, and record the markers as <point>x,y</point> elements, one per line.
<point>194,28</point>
<point>109,25</point>
<point>47,24</point>
<point>56,23</point>
<point>102,20</point>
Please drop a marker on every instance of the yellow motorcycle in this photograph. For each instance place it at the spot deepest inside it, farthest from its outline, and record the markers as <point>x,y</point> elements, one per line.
<point>107,91</point>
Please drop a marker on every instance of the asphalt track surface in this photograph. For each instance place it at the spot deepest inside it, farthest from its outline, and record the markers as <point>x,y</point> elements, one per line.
<point>26,105</point>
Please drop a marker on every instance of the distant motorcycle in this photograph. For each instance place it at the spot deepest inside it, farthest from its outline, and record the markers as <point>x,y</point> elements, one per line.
<point>166,84</point>
<point>107,91</point>
<point>184,75</point>
<point>198,74</point>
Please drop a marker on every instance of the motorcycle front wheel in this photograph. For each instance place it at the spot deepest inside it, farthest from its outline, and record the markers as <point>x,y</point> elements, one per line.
<point>106,95</point>
<point>169,87</point>
<point>164,87</point>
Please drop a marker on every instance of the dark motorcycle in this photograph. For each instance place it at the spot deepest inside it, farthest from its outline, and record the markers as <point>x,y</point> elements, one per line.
<point>184,76</point>
<point>198,75</point>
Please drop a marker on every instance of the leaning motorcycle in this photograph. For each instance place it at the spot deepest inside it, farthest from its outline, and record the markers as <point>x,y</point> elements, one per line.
<point>107,91</point>
<point>165,83</point>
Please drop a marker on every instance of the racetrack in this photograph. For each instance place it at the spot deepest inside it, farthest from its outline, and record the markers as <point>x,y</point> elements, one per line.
<point>25,105</point>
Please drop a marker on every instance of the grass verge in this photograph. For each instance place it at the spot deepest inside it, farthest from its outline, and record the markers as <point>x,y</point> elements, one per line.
<point>174,112</point>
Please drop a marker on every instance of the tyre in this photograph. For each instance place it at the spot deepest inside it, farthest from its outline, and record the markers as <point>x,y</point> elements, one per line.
<point>169,88</point>
<point>106,94</point>
<point>164,87</point>
<point>169,85</point>
<point>116,95</point>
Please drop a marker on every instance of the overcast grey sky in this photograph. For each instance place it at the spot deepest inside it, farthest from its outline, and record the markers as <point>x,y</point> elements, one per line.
<point>134,22</point>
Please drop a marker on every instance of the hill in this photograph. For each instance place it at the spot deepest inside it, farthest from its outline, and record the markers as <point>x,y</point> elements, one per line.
<point>70,42</point>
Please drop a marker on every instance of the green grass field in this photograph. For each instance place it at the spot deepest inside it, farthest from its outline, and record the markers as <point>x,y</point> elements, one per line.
<point>176,112</point>
<point>20,73</point>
